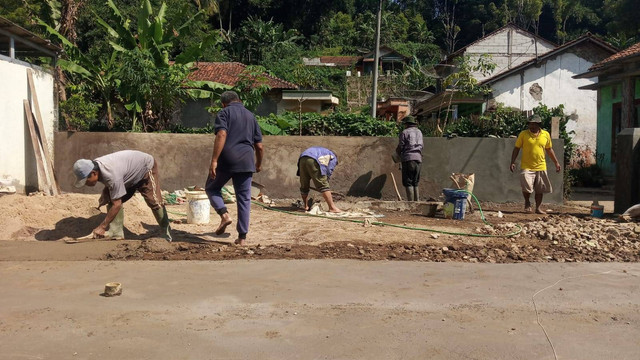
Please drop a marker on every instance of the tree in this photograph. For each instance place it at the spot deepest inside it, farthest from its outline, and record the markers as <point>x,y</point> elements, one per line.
<point>525,12</point>
<point>446,10</point>
<point>339,30</point>
<point>462,81</point>
<point>564,10</point>
<point>257,37</point>
<point>138,72</point>
<point>622,16</point>
<point>94,77</point>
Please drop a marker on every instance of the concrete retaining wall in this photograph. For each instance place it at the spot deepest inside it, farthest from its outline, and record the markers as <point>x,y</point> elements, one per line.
<point>364,163</point>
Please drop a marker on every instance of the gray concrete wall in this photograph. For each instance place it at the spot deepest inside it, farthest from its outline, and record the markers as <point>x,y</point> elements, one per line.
<point>364,163</point>
<point>194,114</point>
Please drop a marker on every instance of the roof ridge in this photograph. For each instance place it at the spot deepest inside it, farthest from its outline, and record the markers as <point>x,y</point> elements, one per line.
<point>511,24</point>
<point>551,53</point>
<point>633,50</point>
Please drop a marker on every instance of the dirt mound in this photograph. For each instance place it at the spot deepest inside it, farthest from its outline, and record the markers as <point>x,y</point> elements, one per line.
<point>496,251</point>
<point>68,215</point>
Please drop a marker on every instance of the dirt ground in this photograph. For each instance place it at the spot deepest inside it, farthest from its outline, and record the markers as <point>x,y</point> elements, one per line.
<point>567,234</point>
<point>330,308</point>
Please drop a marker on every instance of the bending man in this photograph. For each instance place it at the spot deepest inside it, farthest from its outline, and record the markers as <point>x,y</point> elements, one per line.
<point>123,173</point>
<point>317,164</point>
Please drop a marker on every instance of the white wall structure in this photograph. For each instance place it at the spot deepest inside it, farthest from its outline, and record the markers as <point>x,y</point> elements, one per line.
<point>550,83</point>
<point>17,159</point>
<point>508,47</point>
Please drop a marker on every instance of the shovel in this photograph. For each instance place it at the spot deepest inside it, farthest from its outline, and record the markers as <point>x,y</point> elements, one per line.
<point>84,239</point>
<point>87,238</point>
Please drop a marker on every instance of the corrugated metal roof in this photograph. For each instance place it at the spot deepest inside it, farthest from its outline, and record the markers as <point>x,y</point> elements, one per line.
<point>8,28</point>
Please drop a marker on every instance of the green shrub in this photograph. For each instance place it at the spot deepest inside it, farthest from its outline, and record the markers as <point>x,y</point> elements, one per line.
<point>590,176</point>
<point>78,113</point>
<point>335,124</point>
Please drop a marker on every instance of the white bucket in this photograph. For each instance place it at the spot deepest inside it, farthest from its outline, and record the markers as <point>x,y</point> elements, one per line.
<point>198,211</point>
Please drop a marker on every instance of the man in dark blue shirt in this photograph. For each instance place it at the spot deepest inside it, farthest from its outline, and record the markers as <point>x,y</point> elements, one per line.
<point>238,137</point>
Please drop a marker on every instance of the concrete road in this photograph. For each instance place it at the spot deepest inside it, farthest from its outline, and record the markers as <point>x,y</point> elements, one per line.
<point>318,310</point>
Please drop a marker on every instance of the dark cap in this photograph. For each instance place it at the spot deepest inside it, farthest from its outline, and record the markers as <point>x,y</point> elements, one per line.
<point>534,119</point>
<point>409,120</point>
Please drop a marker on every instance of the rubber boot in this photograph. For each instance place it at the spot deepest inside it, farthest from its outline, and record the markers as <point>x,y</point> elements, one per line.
<point>116,228</point>
<point>410,192</point>
<point>416,194</point>
<point>163,220</point>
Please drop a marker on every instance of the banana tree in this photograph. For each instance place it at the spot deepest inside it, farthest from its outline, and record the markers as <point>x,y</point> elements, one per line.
<point>152,33</point>
<point>100,74</point>
<point>154,84</point>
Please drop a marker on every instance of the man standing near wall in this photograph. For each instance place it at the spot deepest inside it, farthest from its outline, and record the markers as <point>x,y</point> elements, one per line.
<point>123,173</point>
<point>409,149</point>
<point>317,164</point>
<point>534,142</point>
<point>238,136</point>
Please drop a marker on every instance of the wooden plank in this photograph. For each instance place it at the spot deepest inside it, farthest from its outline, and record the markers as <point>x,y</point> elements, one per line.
<point>395,186</point>
<point>36,144</point>
<point>53,179</point>
<point>628,88</point>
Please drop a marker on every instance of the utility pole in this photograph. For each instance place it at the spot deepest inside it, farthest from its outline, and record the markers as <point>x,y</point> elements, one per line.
<point>374,92</point>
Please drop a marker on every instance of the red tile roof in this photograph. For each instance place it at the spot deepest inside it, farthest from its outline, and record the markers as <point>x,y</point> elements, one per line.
<point>228,73</point>
<point>634,50</point>
<point>340,61</point>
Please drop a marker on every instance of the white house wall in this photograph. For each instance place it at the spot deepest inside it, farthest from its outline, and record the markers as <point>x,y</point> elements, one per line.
<point>554,76</point>
<point>17,159</point>
<point>523,48</point>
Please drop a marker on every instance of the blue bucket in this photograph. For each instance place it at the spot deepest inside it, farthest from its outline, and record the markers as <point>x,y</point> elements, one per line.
<point>597,211</point>
<point>450,195</point>
<point>459,200</point>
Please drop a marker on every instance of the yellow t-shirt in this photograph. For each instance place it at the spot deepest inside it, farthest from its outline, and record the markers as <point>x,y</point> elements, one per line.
<point>533,150</point>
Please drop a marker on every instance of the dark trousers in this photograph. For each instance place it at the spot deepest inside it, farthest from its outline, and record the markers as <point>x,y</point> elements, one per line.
<point>242,188</point>
<point>411,173</point>
<point>149,188</point>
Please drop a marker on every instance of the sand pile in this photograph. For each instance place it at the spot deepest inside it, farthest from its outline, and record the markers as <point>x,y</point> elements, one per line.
<point>68,215</point>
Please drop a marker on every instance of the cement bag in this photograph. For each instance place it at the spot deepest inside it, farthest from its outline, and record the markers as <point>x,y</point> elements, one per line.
<point>228,195</point>
<point>463,182</point>
<point>632,212</point>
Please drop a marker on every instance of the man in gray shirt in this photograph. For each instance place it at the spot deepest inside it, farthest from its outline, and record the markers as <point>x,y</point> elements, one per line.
<point>123,173</point>
<point>409,148</point>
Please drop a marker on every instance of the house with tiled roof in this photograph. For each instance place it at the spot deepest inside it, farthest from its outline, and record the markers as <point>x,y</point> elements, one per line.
<point>389,61</point>
<point>618,94</point>
<point>525,79</point>
<point>195,114</point>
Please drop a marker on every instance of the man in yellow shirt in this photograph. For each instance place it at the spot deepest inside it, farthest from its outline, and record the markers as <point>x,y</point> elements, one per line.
<point>534,142</point>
